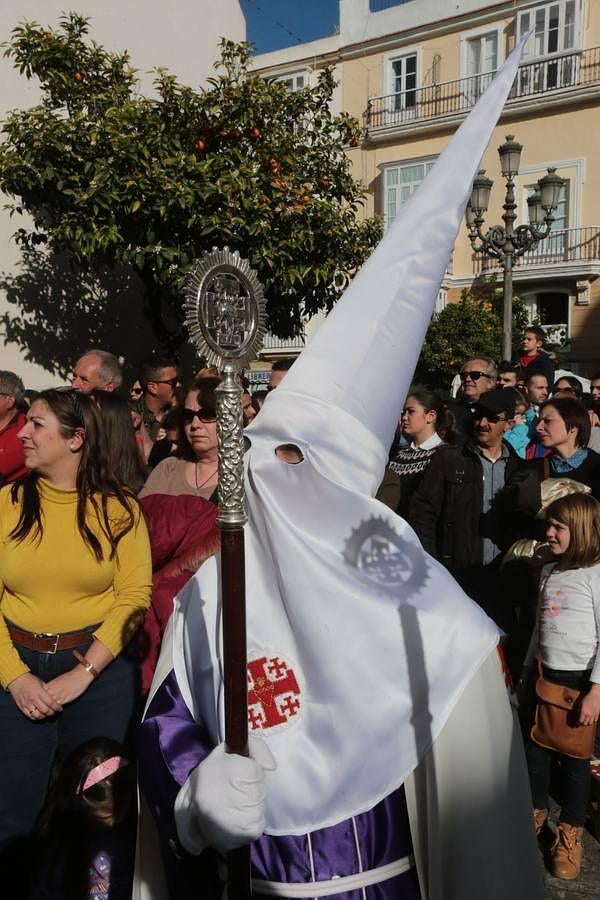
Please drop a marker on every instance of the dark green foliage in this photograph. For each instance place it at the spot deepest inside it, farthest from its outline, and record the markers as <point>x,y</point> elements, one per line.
<point>465,329</point>
<point>112,177</point>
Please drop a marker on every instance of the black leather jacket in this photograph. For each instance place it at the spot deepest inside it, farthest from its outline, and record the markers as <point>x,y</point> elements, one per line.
<point>447,509</point>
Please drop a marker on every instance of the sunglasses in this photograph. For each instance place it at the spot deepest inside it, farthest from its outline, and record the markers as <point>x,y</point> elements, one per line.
<point>201,414</point>
<point>493,418</point>
<point>136,391</point>
<point>474,375</point>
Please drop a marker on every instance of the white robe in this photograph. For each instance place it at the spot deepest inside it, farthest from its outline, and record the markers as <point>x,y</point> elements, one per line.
<point>468,803</point>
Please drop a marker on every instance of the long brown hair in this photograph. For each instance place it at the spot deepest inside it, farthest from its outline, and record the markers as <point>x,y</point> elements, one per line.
<point>119,436</point>
<point>95,482</point>
<point>70,815</point>
<point>581,514</point>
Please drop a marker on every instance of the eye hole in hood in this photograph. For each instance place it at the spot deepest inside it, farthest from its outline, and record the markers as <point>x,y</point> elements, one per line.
<point>289,453</point>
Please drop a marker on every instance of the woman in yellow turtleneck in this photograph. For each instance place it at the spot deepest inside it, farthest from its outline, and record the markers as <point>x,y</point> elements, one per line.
<point>75,580</point>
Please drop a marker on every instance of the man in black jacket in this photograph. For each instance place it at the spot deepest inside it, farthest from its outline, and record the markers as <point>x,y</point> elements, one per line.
<point>457,512</point>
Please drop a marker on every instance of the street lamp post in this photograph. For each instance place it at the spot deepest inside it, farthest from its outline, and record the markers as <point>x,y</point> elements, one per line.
<point>507,243</point>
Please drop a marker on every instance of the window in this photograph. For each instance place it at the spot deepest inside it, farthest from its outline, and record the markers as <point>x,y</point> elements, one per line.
<point>403,82</point>
<point>555,31</point>
<point>556,242</point>
<point>554,28</point>
<point>481,63</point>
<point>293,81</point>
<point>551,310</point>
<point>399,183</point>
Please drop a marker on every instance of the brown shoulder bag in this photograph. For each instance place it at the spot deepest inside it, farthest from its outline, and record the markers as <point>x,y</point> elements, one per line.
<point>556,724</point>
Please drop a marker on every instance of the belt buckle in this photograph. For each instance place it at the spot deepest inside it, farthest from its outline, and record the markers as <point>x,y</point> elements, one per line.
<point>46,635</point>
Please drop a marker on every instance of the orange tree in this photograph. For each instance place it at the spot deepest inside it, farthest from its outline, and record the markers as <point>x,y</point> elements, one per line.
<point>464,330</point>
<point>112,177</point>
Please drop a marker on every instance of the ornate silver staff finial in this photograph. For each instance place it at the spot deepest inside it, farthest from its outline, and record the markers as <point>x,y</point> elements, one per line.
<point>225,317</point>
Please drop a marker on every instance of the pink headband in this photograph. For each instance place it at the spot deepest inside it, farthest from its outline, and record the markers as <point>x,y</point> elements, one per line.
<point>102,771</point>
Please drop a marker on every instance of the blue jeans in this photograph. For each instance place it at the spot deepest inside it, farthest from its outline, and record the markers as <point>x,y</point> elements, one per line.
<point>28,748</point>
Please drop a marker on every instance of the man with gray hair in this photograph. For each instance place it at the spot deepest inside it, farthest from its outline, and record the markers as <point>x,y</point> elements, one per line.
<point>477,375</point>
<point>12,460</point>
<point>97,370</point>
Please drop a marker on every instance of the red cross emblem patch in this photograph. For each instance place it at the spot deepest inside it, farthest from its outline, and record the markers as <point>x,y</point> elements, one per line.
<point>273,693</point>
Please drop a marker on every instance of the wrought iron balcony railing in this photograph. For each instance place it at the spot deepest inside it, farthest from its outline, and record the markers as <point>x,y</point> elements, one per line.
<point>569,245</point>
<point>578,68</point>
<point>557,334</point>
<point>272,344</point>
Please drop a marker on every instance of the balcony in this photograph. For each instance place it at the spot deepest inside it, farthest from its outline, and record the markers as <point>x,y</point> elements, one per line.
<point>570,251</point>
<point>436,105</point>
<point>274,346</point>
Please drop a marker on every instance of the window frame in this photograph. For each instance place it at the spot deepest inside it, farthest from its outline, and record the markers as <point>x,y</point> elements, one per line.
<point>282,77</point>
<point>401,164</point>
<point>531,11</point>
<point>574,170</point>
<point>480,32</point>
<point>390,58</point>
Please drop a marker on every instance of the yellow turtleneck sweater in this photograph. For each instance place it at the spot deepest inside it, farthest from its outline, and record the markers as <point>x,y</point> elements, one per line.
<point>57,585</point>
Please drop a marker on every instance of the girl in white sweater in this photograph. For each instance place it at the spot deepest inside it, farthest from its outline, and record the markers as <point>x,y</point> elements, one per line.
<point>566,639</point>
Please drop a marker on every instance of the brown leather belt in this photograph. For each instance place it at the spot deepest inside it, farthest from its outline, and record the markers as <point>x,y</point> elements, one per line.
<point>48,643</point>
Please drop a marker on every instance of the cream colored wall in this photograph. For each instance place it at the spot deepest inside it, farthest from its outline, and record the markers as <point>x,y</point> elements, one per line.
<point>568,138</point>
<point>364,77</point>
<point>551,138</point>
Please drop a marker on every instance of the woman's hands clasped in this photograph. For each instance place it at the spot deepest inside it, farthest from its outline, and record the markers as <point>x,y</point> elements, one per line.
<point>68,687</point>
<point>38,700</point>
<point>33,697</point>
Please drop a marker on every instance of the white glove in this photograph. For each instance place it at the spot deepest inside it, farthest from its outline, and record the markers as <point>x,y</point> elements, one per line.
<point>222,804</point>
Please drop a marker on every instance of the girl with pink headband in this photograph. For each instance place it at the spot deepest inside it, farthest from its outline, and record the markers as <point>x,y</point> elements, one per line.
<point>87,827</point>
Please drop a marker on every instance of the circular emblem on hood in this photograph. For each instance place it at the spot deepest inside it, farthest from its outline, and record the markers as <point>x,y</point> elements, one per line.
<point>385,556</point>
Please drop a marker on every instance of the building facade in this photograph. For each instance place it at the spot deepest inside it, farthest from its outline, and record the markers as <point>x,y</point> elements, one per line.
<point>411,70</point>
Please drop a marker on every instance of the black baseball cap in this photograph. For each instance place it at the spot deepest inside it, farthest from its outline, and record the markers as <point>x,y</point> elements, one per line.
<point>496,401</point>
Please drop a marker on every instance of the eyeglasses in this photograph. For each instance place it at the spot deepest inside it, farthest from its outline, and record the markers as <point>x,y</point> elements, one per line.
<point>136,391</point>
<point>474,375</point>
<point>174,382</point>
<point>492,418</point>
<point>201,414</point>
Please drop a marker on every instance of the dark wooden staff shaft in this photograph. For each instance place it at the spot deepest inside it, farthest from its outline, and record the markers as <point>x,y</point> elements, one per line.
<point>233,580</point>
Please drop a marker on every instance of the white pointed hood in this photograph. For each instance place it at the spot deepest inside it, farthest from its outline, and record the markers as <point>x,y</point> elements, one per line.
<point>359,644</point>
<point>354,375</point>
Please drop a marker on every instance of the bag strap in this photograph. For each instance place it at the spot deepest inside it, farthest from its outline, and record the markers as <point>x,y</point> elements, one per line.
<point>539,664</point>
<point>546,466</point>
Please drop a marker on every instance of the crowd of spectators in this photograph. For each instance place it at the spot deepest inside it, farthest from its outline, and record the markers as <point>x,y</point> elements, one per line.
<point>115,493</point>
<point>108,503</point>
